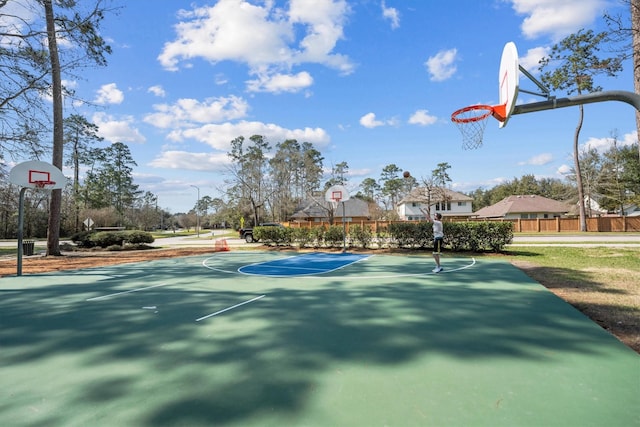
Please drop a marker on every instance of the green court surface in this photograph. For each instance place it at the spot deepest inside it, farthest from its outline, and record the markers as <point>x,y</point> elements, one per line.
<point>379,342</point>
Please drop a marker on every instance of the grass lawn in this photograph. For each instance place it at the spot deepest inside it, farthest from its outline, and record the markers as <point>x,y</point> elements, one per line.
<point>601,282</point>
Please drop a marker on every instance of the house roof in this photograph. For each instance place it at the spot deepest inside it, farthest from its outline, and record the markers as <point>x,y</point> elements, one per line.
<point>311,208</point>
<point>420,195</point>
<point>523,204</point>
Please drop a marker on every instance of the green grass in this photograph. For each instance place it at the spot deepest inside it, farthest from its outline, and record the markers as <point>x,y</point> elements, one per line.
<point>579,257</point>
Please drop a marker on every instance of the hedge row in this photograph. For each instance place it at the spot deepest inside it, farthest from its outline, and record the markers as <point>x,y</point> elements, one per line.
<point>106,239</point>
<point>458,236</point>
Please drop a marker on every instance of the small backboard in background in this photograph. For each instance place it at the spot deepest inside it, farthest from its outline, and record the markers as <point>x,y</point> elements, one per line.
<point>38,175</point>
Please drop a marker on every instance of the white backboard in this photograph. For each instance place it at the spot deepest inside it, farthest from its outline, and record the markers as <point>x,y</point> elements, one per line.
<point>337,192</point>
<point>28,174</point>
<point>509,80</point>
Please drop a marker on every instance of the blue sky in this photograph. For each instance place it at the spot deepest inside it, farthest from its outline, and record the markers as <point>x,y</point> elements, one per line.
<point>368,82</point>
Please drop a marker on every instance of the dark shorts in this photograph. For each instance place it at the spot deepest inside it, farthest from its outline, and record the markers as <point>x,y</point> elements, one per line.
<point>437,245</point>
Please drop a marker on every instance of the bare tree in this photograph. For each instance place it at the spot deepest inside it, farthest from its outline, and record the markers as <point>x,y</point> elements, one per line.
<point>32,68</point>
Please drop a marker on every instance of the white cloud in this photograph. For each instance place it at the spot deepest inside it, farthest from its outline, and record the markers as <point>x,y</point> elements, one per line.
<point>114,130</point>
<point>157,90</point>
<point>369,121</point>
<point>185,112</point>
<point>604,144</point>
<point>277,83</point>
<point>109,94</point>
<point>269,40</point>
<point>422,118</point>
<point>557,18</point>
<point>191,161</point>
<point>539,160</point>
<point>219,136</point>
<point>564,170</point>
<point>442,65</point>
<point>530,60</point>
<point>392,14</point>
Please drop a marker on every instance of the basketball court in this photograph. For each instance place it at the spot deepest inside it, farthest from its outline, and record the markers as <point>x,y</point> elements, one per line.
<point>322,339</point>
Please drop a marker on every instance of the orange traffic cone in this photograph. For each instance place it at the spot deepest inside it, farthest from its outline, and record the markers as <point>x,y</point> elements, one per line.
<point>221,246</point>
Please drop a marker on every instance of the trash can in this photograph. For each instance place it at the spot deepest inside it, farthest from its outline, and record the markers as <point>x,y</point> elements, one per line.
<point>27,247</point>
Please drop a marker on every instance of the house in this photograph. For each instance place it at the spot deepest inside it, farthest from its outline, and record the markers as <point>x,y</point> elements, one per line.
<point>319,210</point>
<point>593,208</point>
<point>523,207</point>
<point>414,205</point>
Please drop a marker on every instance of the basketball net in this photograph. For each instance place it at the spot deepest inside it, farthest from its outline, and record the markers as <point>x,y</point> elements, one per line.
<point>335,202</point>
<point>43,185</point>
<point>472,122</point>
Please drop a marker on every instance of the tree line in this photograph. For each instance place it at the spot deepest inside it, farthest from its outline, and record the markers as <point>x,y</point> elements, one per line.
<point>267,183</point>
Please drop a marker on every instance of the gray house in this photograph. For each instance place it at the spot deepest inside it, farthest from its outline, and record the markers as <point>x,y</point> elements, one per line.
<point>525,207</point>
<point>319,210</point>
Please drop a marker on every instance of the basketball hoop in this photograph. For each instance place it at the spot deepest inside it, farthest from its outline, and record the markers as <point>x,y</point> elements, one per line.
<point>335,199</point>
<point>43,185</point>
<point>472,122</point>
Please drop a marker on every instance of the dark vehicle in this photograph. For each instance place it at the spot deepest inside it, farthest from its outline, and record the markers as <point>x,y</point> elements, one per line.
<point>247,232</point>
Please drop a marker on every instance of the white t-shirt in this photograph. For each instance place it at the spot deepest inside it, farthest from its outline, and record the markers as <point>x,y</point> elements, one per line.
<point>437,228</point>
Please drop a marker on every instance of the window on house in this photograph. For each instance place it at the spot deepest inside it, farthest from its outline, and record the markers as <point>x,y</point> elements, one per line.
<point>462,203</point>
<point>443,206</point>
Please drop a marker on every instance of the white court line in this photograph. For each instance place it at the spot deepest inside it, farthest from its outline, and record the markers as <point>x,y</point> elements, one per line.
<point>229,308</point>
<point>125,292</point>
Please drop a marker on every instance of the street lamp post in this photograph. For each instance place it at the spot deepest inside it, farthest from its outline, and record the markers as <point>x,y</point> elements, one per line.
<point>197,208</point>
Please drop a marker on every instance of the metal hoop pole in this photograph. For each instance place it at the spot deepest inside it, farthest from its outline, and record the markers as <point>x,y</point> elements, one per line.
<point>20,225</point>
<point>611,95</point>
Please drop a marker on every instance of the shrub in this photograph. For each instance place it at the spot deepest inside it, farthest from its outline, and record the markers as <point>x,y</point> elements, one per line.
<point>83,239</point>
<point>107,239</point>
<point>302,236</point>
<point>402,234</point>
<point>273,235</point>
<point>334,236</point>
<point>361,235</point>
<point>137,237</point>
<point>317,236</point>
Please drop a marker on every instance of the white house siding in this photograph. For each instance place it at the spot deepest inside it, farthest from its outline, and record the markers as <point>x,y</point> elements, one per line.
<point>412,210</point>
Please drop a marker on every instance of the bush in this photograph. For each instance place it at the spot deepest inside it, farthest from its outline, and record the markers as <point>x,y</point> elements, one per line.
<point>317,236</point>
<point>137,237</point>
<point>276,235</point>
<point>361,235</point>
<point>110,239</point>
<point>105,239</point>
<point>334,236</point>
<point>302,236</point>
<point>402,234</point>
<point>83,239</point>
<point>459,236</point>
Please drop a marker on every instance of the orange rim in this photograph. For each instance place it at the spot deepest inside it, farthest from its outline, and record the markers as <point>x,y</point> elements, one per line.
<point>482,111</point>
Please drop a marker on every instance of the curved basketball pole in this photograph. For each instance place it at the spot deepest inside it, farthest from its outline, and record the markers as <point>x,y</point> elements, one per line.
<point>570,101</point>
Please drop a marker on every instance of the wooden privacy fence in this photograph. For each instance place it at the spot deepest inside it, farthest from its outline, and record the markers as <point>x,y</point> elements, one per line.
<point>538,225</point>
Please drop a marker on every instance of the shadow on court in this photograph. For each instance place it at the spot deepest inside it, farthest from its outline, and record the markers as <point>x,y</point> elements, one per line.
<point>479,346</point>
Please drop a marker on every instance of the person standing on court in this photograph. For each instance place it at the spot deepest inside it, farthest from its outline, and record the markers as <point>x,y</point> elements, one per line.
<point>438,237</point>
